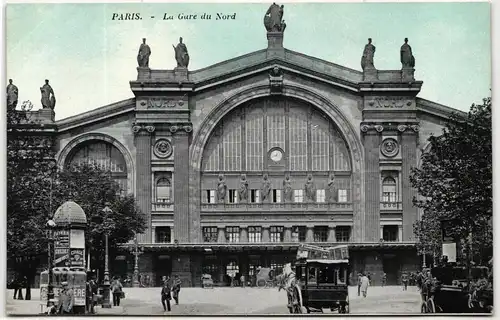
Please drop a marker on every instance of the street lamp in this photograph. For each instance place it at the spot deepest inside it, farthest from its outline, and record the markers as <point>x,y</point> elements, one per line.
<point>106,285</point>
<point>136,253</point>
<point>50,289</point>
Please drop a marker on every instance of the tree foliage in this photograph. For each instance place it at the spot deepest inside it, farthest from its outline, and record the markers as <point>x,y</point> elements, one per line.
<point>35,189</point>
<point>455,182</point>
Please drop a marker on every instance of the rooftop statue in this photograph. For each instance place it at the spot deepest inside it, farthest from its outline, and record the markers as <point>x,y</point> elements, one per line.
<point>368,54</point>
<point>407,58</point>
<point>143,55</point>
<point>48,97</point>
<point>12,95</point>
<point>273,20</point>
<point>181,54</point>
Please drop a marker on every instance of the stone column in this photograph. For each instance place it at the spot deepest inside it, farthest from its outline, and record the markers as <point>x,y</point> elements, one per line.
<point>287,237</point>
<point>400,233</point>
<point>143,176</point>
<point>381,232</point>
<point>372,182</point>
<point>153,234</point>
<point>181,187</point>
<point>409,155</point>
<point>310,234</point>
<point>243,233</point>
<point>265,234</point>
<point>331,234</point>
<point>221,237</point>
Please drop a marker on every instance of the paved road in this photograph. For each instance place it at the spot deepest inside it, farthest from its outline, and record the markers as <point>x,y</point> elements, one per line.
<point>219,301</point>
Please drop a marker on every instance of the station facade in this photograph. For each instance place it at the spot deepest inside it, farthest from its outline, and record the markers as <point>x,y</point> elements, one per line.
<point>237,163</point>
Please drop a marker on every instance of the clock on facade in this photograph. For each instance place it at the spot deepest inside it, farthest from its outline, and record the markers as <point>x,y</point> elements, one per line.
<point>276,155</point>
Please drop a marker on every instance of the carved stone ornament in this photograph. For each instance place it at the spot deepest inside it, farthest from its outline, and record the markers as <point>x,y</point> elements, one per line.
<point>157,103</point>
<point>276,80</point>
<point>174,129</point>
<point>402,128</point>
<point>136,128</point>
<point>163,148</point>
<point>365,128</point>
<point>187,128</point>
<point>379,128</point>
<point>389,147</point>
<point>415,127</point>
<point>390,103</point>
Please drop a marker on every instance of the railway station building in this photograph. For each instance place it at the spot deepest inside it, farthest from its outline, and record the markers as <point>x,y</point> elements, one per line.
<point>237,163</point>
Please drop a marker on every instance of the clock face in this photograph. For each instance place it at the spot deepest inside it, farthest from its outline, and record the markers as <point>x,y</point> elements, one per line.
<point>276,155</point>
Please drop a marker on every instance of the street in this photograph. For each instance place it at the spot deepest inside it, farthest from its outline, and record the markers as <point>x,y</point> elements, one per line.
<point>234,301</point>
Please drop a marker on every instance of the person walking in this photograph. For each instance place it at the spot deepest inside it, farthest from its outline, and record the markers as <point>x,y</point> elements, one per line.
<point>117,289</point>
<point>66,300</point>
<point>176,288</point>
<point>365,282</point>
<point>359,283</point>
<point>384,279</point>
<point>165,295</point>
<point>404,280</point>
<point>91,291</point>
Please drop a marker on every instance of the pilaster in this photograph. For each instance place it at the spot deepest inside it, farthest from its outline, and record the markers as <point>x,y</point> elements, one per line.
<point>143,134</point>
<point>244,234</point>
<point>409,138</point>
<point>309,234</point>
<point>221,236</point>
<point>287,237</point>
<point>371,144</point>
<point>265,234</point>
<point>331,234</point>
<point>181,188</point>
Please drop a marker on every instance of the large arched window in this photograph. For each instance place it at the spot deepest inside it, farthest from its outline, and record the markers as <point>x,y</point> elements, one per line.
<point>389,190</point>
<point>103,155</point>
<point>163,190</point>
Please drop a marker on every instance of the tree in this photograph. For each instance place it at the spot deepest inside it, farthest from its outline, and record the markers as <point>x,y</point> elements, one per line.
<point>455,183</point>
<point>35,190</point>
<point>30,161</point>
<point>93,189</point>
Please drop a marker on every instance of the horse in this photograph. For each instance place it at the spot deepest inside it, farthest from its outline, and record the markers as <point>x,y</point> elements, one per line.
<point>287,281</point>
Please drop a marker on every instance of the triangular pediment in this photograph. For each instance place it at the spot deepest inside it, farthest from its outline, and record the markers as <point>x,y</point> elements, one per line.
<point>260,61</point>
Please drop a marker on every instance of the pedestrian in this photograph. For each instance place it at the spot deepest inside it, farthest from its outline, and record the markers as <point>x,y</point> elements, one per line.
<point>365,282</point>
<point>242,280</point>
<point>176,288</point>
<point>117,289</point>
<point>384,279</point>
<point>66,300</point>
<point>91,290</point>
<point>165,295</point>
<point>16,283</point>
<point>404,280</point>
<point>359,283</point>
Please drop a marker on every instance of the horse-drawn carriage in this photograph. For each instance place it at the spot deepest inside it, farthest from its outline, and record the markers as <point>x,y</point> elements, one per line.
<point>320,280</point>
<point>449,291</point>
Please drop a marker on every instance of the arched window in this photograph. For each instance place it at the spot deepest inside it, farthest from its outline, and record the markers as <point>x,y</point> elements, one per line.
<point>389,190</point>
<point>163,190</point>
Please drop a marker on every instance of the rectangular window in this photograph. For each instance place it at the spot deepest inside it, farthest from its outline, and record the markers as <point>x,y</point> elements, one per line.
<point>233,234</point>
<point>298,195</point>
<point>254,138</point>
<point>254,234</point>
<point>276,196</point>
<point>209,196</point>
<point>232,196</point>
<point>232,145</point>
<point>254,196</point>
<point>276,234</point>
<point>298,139</point>
<point>276,266</point>
<point>343,233</point>
<point>163,235</point>
<point>319,144</point>
<point>389,193</point>
<point>298,234</point>
<point>320,195</point>
<point>320,234</point>
<point>342,195</point>
<point>210,234</point>
<point>391,233</point>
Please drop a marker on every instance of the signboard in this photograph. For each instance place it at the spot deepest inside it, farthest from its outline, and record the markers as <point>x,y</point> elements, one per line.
<point>77,258</point>
<point>79,294</point>
<point>61,247</point>
<point>450,250</point>
<point>77,238</point>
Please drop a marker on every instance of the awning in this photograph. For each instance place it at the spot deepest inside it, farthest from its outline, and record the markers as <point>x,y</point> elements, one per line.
<point>327,261</point>
<point>261,246</point>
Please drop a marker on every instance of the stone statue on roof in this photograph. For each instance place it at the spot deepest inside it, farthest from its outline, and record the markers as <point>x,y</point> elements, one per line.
<point>407,58</point>
<point>181,54</point>
<point>12,95</point>
<point>368,54</point>
<point>273,19</point>
<point>143,55</point>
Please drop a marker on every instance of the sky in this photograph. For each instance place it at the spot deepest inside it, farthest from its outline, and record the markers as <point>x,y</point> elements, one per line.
<point>90,58</point>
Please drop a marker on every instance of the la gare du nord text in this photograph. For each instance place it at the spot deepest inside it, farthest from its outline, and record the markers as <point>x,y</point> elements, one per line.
<point>180,16</point>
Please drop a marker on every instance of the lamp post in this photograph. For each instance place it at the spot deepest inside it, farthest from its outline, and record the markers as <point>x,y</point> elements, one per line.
<point>136,253</point>
<point>50,288</point>
<point>105,286</point>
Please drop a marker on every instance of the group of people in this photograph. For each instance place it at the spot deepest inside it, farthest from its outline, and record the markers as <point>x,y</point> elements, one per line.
<point>170,289</point>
